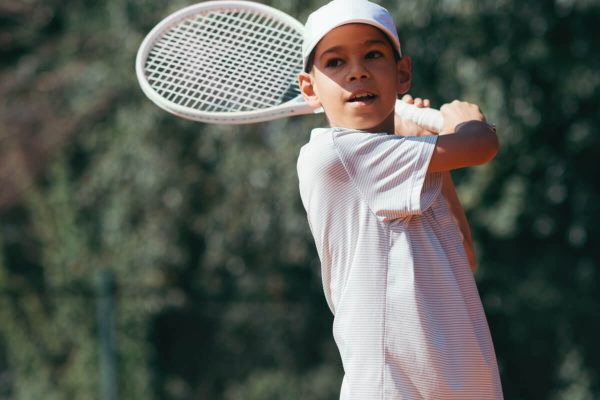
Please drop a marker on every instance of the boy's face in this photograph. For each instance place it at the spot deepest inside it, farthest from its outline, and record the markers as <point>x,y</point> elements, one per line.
<point>356,78</point>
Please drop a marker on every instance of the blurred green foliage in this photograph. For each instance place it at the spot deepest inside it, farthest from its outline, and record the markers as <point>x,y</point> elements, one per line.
<point>218,290</point>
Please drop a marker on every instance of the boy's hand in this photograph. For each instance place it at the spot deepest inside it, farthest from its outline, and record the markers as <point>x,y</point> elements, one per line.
<point>404,127</point>
<point>459,112</point>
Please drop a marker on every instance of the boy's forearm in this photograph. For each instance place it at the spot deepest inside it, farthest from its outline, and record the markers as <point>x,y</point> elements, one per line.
<point>458,215</point>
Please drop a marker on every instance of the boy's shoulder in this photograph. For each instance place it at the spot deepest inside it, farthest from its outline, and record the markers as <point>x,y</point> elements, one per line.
<point>324,143</point>
<point>320,147</point>
<point>346,142</point>
<point>350,135</point>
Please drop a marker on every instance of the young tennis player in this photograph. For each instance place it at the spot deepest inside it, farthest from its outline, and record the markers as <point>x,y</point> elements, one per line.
<point>396,265</point>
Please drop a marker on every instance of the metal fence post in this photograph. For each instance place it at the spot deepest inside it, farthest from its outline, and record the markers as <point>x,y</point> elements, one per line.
<point>106,336</point>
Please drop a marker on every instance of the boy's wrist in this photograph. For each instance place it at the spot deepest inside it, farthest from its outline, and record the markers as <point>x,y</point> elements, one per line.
<point>475,125</point>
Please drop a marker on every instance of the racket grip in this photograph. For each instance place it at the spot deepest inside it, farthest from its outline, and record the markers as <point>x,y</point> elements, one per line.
<point>428,118</point>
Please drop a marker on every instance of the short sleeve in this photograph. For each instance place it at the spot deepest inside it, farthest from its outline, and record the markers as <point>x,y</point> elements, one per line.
<point>389,171</point>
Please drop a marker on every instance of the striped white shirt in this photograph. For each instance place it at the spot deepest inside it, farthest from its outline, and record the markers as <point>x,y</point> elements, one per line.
<point>408,323</point>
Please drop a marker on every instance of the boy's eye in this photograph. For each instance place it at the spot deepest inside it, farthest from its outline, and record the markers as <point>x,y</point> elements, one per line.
<point>374,54</point>
<point>334,62</point>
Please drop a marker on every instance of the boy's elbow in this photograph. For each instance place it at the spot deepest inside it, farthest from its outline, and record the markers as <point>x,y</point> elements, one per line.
<point>489,146</point>
<point>483,141</point>
<point>492,146</point>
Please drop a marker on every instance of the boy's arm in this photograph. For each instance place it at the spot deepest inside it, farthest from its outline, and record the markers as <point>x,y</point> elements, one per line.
<point>471,142</point>
<point>458,215</point>
<point>473,134</point>
<point>467,139</point>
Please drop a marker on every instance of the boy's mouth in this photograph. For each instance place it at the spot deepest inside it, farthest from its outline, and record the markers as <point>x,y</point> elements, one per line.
<point>362,97</point>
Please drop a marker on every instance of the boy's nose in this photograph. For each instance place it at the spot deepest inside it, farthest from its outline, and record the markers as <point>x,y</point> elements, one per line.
<point>358,71</point>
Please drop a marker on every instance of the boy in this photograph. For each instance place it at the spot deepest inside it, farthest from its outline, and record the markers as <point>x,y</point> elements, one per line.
<point>383,212</point>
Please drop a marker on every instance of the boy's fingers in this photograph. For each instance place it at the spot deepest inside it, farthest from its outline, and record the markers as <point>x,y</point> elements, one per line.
<point>419,102</point>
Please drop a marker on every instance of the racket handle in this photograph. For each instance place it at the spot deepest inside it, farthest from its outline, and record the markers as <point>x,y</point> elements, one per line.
<point>428,118</point>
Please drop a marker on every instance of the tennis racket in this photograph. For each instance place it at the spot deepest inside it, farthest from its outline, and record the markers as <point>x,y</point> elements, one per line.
<point>233,62</point>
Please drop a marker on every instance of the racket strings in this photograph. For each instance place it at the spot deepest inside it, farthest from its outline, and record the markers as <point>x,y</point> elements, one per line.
<point>211,72</point>
<point>240,60</point>
<point>234,61</point>
<point>268,63</point>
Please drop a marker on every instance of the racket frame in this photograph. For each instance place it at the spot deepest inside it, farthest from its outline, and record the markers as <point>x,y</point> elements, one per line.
<point>430,119</point>
<point>296,106</point>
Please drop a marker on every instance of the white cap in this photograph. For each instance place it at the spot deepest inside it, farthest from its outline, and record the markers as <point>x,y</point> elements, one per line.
<point>342,12</point>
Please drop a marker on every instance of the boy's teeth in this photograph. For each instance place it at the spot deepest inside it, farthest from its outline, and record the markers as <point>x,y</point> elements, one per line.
<point>362,96</point>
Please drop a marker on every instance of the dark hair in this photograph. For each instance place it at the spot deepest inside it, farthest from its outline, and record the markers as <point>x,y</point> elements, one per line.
<point>311,57</point>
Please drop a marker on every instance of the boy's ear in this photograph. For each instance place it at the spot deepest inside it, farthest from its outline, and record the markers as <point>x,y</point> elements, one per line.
<point>404,69</point>
<point>307,89</point>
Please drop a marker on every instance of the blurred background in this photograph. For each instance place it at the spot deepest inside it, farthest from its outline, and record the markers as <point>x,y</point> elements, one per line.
<point>147,257</point>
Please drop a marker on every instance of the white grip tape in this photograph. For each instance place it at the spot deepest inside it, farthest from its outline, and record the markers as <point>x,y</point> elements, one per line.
<point>428,118</point>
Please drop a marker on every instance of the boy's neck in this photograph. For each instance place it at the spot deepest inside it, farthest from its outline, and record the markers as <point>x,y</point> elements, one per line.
<point>386,126</point>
